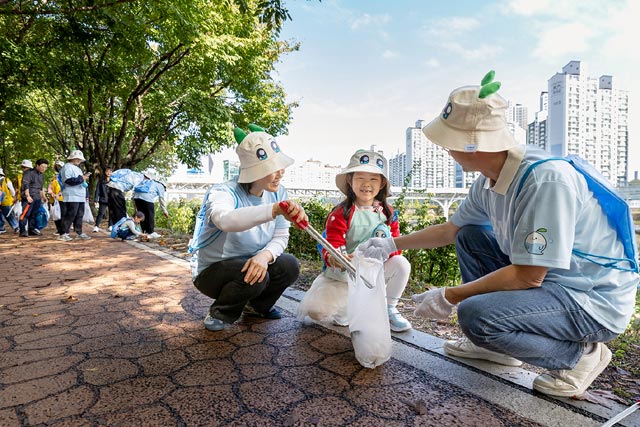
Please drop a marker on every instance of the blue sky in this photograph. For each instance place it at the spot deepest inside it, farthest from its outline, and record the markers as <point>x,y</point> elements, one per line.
<point>368,69</point>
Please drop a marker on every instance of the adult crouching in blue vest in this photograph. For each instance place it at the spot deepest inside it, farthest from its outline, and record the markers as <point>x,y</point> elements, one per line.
<point>144,196</point>
<point>241,233</point>
<point>74,193</point>
<point>547,276</point>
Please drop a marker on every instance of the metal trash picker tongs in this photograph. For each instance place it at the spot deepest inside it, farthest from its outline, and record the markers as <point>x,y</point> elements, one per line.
<point>336,254</point>
<point>613,421</point>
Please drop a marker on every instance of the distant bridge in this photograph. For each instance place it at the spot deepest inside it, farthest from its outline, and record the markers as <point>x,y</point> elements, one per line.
<point>444,197</point>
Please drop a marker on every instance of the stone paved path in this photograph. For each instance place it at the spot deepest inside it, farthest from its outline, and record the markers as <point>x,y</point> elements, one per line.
<point>103,333</point>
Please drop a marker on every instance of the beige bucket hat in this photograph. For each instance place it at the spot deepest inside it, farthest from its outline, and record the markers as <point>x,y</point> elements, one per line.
<point>76,154</point>
<point>27,164</point>
<point>473,120</point>
<point>363,161</point>
<point>259,154</point>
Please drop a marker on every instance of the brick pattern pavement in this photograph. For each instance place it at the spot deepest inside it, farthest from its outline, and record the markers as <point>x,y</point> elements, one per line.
<point>101,333</point>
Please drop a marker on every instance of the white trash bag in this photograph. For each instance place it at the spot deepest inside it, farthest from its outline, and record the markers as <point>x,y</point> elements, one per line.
<point>325,301</point>
<point>88,215</point>
<point>55,210</point>
<point>367,313</point>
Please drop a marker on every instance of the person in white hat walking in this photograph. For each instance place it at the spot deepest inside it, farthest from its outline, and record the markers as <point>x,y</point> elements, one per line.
<point>74,193</point>
<point>540,261</point>
<point>241,233</point>
<point>7,198</point>
<point>144,196</point>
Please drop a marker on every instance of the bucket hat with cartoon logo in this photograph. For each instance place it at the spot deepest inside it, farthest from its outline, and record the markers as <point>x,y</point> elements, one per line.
<point>364,161</point>
<point>259,154</point>
<point>473,120</point>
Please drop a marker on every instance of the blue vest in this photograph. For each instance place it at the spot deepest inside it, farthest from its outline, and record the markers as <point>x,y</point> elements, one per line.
<point>615,208</point>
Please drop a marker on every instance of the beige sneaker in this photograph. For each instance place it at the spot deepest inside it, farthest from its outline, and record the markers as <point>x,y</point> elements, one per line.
<point>468,350</point>
<point>574,382</point>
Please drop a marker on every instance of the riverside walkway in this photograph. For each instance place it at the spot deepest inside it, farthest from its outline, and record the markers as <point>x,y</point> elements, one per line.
<point>109,333</point>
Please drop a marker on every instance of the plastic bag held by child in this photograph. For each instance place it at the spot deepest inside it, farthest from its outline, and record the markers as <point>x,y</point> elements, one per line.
<point>367,311</point>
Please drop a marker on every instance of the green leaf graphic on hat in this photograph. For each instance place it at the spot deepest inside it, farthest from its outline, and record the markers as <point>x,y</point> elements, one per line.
<point>489,87</point>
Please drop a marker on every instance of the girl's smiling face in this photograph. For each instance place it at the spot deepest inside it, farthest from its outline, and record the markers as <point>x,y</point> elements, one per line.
<point>365,186</point>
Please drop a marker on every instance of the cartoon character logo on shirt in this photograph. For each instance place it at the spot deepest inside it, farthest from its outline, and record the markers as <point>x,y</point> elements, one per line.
<point>381,230</point>
<point>535,242</point>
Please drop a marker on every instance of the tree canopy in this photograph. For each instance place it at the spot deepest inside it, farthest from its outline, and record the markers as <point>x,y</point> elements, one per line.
<point>137,83</point>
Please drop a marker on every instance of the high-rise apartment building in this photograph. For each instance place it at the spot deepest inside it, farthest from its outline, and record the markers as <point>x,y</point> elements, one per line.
<point>230,169</point>
<point>311,174</point>
<point>429,164</point>
<point>398,169</point>
<point>537,129</point>
<point>589,116</point>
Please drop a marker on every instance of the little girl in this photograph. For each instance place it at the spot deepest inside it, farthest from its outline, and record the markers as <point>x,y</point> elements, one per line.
<point>362,215</point>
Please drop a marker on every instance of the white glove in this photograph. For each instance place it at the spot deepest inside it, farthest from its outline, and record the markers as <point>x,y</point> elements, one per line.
<point>377,248</point>
<point>432,304</point>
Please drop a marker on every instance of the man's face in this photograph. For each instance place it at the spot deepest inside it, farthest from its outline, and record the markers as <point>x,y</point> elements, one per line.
<point>42,167</point>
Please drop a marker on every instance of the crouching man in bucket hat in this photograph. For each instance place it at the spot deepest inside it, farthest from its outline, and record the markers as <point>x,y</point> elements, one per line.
<point>534,248</point>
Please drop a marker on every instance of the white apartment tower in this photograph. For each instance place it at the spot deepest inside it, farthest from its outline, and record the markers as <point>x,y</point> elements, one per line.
<point>537,129</point>
<point>589,117</point>
<point>311,174</point>
<point>398,169</point>
<point>432,167</point>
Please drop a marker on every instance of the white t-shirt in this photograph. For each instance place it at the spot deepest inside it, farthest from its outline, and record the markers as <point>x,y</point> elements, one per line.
<point>554,214</point>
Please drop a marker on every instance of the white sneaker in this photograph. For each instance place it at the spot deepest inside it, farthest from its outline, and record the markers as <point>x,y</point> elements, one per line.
<point>574,382</point>
<point>96,229</point>
<point>154,235</point>
<point>65,238</point>
<point>397,322</point>
<point>468,350</point>
<point>110,227</point>
<point>83,236</point>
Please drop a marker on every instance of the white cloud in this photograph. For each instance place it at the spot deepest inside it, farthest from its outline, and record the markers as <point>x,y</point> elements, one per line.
<point>366,20</point>
<point>389,54</point>
<point>472,54</point>
<point>451,26</point>
<point>431,63</point>
<point>562,40</point>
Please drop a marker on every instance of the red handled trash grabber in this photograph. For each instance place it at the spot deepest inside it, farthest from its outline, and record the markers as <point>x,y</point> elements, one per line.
<point>336,254</point>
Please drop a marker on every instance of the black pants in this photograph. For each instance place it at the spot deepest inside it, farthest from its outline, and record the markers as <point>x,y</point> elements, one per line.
<point>58,222</point>
<point>73,213</point>
<point>148,225</point>
<point>102,209</point>
<point>224,282</point>
<point>117,205</point>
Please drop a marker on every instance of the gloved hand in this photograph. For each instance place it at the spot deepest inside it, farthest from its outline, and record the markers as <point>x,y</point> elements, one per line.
<point>432,304</point>
<point>377,248</point>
